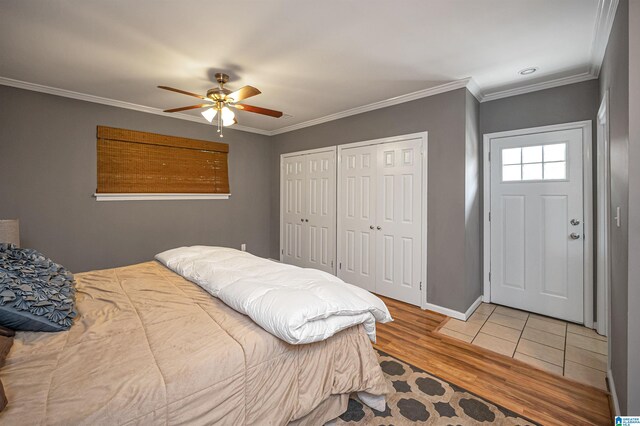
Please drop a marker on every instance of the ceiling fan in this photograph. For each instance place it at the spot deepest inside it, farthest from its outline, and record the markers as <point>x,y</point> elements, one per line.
<point>219,100</point>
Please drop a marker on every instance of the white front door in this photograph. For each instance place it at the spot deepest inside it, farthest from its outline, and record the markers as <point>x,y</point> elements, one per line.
<point>399,220</point>
<point>537,230</point>
<point>320,218</point>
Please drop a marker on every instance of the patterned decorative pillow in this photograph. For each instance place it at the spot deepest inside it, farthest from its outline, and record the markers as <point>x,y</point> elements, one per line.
<point>36,294</point>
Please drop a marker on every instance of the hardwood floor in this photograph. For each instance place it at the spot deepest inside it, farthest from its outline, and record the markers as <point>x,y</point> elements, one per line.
<point>543,397</point>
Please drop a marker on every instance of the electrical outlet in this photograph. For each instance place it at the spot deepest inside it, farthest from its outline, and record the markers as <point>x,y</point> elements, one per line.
<point>243,247</point>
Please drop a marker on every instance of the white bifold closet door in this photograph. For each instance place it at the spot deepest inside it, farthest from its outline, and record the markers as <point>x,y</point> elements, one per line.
<point>380,218</point>
<point>308,197</point>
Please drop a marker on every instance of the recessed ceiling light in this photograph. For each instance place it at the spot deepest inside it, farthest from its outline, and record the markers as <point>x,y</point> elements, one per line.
<point>528,71</point>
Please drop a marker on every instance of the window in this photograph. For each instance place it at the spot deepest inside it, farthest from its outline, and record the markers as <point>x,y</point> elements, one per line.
<point>530,163</point>
<point>153,166</point>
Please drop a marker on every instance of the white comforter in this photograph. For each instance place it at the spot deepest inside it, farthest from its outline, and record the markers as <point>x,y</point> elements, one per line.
<point>298,305</point>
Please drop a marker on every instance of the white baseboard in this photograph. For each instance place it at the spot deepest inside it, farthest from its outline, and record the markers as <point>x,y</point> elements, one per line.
<point>473,307</point>
<point>463,316</point>
<point>445,311</point>
<point>614,395</point>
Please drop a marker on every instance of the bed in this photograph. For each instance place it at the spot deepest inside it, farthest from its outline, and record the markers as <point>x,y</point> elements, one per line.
<point>150,347</point>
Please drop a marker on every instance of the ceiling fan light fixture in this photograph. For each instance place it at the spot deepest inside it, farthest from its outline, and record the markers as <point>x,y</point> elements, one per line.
<point>218,100</point>
<point>227,114</point>
<point>209,114</point>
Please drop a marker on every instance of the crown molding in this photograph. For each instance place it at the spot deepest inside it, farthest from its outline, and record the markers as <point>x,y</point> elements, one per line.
<point>604,24</point>
<point>248,129</point>
<point>111,102</point>
<point>446,87</point>
<point>431,91</point>
<point>475,90</point>
<point>577,78</point>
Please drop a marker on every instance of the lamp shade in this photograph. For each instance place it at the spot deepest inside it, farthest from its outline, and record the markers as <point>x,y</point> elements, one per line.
<point>209,114</point>
<point>10,231</point>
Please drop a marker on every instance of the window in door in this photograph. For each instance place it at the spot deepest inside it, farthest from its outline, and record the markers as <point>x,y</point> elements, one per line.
<point>534,163</point>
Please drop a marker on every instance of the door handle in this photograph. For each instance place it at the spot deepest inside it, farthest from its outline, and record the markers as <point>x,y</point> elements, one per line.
<point>306,220</point>
<point>575,222</point>
<point>301,220</point>
<point>371,226</point>
<point>574,235</point>
<point>378,227</point>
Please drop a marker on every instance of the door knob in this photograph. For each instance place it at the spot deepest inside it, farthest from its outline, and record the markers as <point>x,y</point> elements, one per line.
<point>378,227</point>
<point>575,222</point>
<point>574,235</point>
<point>371,226</point>
<point>301,220</point>
<point>306,220</point>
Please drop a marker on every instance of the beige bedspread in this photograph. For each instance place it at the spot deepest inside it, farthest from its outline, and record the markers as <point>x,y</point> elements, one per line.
<point>152,348</point>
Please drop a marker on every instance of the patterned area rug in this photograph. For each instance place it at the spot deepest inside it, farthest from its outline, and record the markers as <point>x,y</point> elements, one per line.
<point>423,399</point>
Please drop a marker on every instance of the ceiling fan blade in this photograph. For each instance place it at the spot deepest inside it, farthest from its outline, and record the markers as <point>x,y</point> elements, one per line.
<point>184,92</point>
<point>243,93</point>
<point>258,110</point>
<point>188,107</point>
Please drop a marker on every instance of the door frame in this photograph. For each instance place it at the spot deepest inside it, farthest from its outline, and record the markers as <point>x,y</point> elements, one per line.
<point>296,154</point>
<point>603,197</point>
<point>587,174</point>
<point>425,155</point>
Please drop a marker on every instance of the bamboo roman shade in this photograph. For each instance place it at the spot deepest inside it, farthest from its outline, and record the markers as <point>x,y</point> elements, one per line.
<point>138,162</point>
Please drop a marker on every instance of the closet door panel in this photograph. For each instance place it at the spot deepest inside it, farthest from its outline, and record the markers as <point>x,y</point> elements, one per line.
<point>293,207</point>
<point>356,213</point>
<point>399,205</point>
<point>320,212</point>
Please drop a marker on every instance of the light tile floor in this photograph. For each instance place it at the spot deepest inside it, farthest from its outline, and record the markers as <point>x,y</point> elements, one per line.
<point>560,347</point>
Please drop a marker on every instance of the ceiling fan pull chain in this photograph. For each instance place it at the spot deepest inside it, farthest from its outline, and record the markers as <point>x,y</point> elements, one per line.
<point>220,124</point>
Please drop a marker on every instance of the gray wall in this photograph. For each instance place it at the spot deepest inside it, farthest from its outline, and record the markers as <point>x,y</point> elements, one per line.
<point>615,78</point>
<point>633,397</point>
<point>444,117</point>
<point>564,104</point>
<point>473,245</point>
<point>48,176</point>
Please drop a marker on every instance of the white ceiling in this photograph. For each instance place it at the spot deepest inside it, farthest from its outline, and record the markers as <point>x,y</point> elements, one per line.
<point>309,58</point>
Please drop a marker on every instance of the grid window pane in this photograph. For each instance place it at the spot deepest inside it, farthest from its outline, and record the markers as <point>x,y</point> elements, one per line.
<point>511,173</point>
<point>555,152</point>
<point>532,171</point>
<point>532,154</point>
<point>512,156</point>
<point>534,163</point>
<point>556,170</point>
